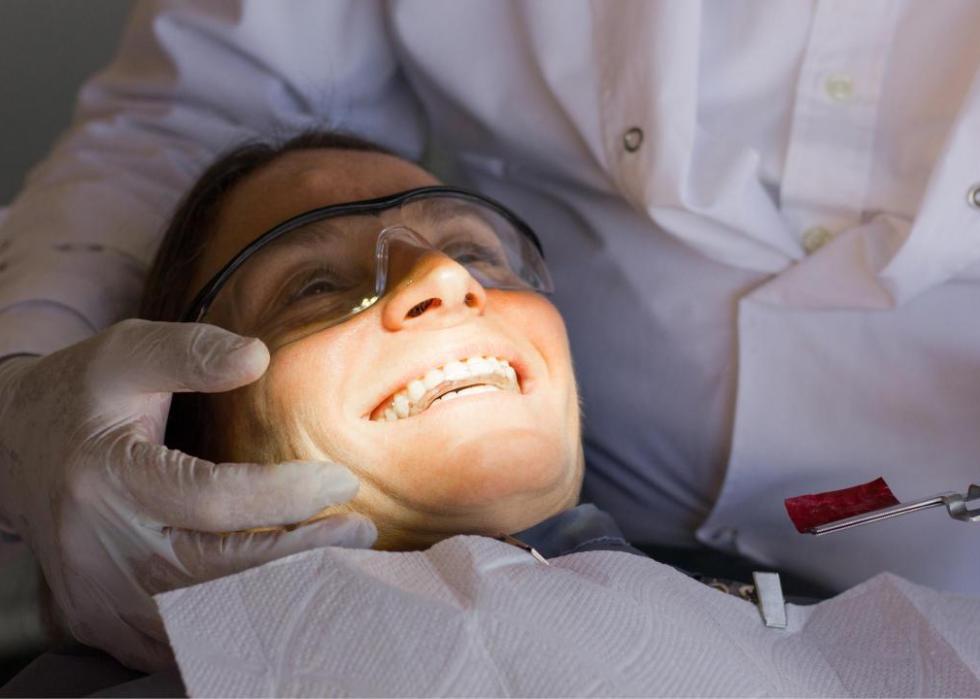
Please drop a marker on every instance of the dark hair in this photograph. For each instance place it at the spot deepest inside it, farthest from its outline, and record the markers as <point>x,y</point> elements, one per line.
<point>167,290</point>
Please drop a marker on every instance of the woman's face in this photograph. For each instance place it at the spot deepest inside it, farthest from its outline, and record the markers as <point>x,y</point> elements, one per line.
<point>489,461</point>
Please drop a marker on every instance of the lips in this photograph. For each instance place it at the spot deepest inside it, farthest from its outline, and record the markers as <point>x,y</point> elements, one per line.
<point>457,378</point>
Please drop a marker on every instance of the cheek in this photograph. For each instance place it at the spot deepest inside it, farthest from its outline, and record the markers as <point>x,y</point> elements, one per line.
<point>534,320</point>
<point>303,397</point>
<point>287,414</point>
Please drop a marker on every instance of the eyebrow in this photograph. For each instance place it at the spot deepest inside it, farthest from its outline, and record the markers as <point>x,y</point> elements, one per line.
<point>311,235</point>
<point>432,209</point>
<point>435,212</point>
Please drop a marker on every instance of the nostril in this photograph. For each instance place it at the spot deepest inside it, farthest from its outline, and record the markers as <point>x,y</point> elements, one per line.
<point>420,308</point>
<point>470,300</point>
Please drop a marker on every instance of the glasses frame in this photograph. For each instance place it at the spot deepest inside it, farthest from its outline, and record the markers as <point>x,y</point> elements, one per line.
<point>205,297</point>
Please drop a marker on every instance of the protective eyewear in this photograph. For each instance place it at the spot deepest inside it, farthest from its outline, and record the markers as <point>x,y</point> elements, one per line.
<point>324,266</point>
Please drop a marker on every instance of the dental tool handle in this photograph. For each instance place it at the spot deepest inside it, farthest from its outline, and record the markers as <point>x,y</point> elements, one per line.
<point>903,508</point>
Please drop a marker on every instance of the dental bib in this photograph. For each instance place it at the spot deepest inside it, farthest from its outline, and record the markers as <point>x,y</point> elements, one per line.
<point>473,616</point>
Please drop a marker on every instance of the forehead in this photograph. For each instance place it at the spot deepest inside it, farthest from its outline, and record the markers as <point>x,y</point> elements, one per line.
<point>297,182</point>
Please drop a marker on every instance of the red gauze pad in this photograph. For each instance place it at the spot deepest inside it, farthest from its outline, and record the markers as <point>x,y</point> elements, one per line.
<point>809,511</point>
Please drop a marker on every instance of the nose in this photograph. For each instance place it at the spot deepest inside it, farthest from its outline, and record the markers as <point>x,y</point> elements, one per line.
<point>434,291</point>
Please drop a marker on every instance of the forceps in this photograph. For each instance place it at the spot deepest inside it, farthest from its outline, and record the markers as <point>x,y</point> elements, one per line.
<point>956,505</point>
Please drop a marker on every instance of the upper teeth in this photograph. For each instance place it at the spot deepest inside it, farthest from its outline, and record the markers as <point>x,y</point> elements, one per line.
<point>472,375</point>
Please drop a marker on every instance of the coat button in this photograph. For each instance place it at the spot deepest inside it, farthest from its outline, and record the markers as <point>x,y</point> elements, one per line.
<point>840,88</point>
<point>633,139</point>
<point>973,196</point>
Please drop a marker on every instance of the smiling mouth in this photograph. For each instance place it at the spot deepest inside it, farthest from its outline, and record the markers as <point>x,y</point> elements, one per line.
<point>453,380</point>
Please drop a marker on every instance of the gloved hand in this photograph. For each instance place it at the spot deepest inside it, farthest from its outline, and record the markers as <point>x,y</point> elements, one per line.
<point>112,515</point>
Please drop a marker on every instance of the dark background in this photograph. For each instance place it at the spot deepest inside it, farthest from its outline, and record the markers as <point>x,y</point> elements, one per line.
<point>47,48</point>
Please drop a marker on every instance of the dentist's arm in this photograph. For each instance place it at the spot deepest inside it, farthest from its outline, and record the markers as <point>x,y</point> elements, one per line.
<point>111,515</point>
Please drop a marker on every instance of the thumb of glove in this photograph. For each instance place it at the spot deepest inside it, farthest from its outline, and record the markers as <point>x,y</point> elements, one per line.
<point>156,357</point>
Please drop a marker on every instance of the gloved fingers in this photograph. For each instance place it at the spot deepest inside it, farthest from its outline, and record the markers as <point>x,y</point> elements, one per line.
<point>184,492</point>
<point>155,357</point>
<point>208,556</point>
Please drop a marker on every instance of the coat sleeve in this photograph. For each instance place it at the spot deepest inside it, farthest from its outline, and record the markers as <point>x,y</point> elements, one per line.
<point>190,79</point>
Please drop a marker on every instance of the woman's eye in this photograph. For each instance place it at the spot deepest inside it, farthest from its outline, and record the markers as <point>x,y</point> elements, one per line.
<point>319,284</point>
<point>472,253</point>
<point>316,288</point>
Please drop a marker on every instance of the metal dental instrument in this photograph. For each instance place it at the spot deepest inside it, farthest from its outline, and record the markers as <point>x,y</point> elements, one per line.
<point>957,505</point>
<point>514,541</point>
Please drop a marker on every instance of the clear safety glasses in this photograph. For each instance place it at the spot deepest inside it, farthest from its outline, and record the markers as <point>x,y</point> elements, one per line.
<point>324,266</point>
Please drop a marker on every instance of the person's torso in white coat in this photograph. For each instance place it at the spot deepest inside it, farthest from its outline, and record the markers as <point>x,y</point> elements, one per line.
<point>756,214</point>
<point>722,350</point>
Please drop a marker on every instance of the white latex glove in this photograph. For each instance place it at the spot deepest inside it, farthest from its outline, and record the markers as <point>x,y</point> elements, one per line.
<point>113,516</point>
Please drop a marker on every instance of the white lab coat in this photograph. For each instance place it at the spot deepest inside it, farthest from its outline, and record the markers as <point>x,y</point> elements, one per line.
<point>756,214</point>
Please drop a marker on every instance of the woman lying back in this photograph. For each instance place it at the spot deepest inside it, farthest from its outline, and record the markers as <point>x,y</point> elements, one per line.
<point>409,335</point>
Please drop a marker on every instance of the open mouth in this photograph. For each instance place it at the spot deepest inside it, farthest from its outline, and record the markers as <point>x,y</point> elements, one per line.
<point>448,382</point>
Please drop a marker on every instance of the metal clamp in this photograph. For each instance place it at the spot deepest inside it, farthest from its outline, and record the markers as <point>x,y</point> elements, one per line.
<point>955,503</point>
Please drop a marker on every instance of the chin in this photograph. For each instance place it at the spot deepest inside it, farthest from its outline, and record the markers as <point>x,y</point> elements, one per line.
<point>507,466</point>
<point>502,482</point>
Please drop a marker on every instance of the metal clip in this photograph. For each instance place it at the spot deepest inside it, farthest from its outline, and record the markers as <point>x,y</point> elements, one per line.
<point>514,541</point>
<point>955,503</point>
